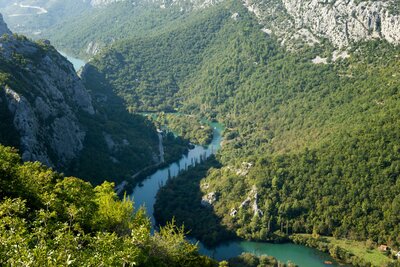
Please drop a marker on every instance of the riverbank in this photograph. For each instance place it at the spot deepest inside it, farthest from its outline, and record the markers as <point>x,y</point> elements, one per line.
<point>171,149</point>
<point>352,252</point>
<point>188,127</point>
<point>78,63</point>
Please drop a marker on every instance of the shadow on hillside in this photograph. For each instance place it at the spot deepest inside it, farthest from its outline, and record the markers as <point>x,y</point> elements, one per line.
<point>117,143</point>
<point>181,199</point>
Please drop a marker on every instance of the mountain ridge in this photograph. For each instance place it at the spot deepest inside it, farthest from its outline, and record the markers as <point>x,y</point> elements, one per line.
<point>295,23</point>
<point>341,22</point>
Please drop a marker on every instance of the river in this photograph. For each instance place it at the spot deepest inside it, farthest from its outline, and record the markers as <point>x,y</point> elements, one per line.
<point>145,194</point>
<point>78,63</point>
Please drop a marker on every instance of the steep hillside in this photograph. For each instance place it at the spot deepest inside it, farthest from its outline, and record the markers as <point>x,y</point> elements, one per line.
<point>3,27</point>
<point>44,95</point>
<point>147,72</point>
<point>312,135</point>
<point>46,104</point>
<point>308,91</point>
<point>82,36</point>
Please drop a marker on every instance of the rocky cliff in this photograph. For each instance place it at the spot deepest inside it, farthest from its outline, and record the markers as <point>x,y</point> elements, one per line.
<point>99,3</point>
<point>340,21</point>
<point>44,97</point>
<point>3,27</point>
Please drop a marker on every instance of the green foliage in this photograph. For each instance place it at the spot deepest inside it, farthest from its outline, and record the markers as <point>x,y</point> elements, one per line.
<point>117,22</point>
<point>180,199</point>
<point>187,127</point>
<point>113,214</point>
<point>324,146</point>
<point>347,251</point>
<point>49,220</point>
<point>147,71</point>
<point>250,260</point>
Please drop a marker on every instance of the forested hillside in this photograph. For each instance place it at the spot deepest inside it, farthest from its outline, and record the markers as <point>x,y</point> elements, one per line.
<point>310,146</point>
<point>87,34</point>
<point>147,72</point>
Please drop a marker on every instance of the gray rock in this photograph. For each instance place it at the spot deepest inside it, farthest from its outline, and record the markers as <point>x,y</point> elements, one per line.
<point>67,139</point>
<point>46,113</point>
<point>111,144</point>
<point>26,123</point>
<point>233,212</point>
<point>245,203</point>
<point>102,3</point>
<point>341,21</point>
<point>209,199</point>
<point>3,27</point>
<point>93,48</point>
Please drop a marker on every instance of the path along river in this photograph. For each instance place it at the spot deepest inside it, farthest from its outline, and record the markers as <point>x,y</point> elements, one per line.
<point>145,194</point>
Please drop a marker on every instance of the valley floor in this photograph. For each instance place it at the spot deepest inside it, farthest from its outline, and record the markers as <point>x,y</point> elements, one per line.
<point>347,250</point>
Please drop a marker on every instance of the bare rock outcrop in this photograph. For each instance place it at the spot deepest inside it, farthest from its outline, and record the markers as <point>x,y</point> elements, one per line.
<point>101,3</point>
<point>45,101</point>
<point>3,27</point>
<point>342,22</point>
<point>251,198</point>
<point>209,200</point>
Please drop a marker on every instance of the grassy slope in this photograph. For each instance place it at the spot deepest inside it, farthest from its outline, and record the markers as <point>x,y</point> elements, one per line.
<point>374,256</point>
<point>358,248</point>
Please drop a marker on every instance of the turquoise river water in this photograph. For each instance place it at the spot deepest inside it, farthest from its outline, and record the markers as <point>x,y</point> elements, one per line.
<point>78,63</point>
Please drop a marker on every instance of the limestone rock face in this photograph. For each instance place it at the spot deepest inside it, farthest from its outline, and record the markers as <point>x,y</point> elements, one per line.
<point>93,48</point>
<point>345,21</point>
<point>3,27</point>
<point>341,21</point>
<point>45,101</point>
<point>27,125</point>
<point>99,3</point>
<point>209,199</point>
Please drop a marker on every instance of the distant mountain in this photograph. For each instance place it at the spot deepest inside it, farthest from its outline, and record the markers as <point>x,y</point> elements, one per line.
<point>35,17</point>
<point>32,18</point>
<point>55,120</point>
<point>85,27</point>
